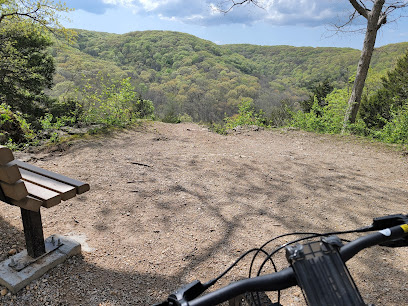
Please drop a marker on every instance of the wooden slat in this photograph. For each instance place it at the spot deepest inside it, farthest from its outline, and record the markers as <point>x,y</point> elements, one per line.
<point>28,203</point>
<point>9,173</point>
<point>81,187</point>
<point>6,155</point>
<point>16,191</point>
<point>66,191</point>
<point>49,198</point>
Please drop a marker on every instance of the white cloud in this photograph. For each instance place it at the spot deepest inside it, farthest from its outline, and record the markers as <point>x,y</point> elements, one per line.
<point>207,12</point>
<point>119,2</point>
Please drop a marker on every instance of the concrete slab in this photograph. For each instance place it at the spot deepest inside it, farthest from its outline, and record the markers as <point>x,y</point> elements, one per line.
<point>16,280</point>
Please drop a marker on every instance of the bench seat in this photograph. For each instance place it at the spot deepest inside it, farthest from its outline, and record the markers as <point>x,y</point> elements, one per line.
<point>31,187</point>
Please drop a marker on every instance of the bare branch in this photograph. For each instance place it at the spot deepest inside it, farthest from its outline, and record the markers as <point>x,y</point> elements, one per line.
<point>382,20</point>
<point>360,8</point>
<point>236,3</point>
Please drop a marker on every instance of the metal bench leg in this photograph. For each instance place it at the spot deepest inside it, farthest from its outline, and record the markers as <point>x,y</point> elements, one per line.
<point>33,232</point>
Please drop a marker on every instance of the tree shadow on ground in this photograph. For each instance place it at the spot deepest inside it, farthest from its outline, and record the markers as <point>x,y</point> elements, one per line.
<point>184,219</point>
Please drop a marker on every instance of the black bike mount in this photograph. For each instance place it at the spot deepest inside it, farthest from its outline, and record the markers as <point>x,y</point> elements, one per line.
<point>322,274</point>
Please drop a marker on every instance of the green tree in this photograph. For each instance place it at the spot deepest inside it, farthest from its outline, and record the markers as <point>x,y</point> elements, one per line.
<point>376,16</point>
<point>379,108</point>
<point>25,68</point>
<point>247,115</point>
<point>112,103</point>
<point>44,13</point>
<point>376,13</point>
<point>319,92</point>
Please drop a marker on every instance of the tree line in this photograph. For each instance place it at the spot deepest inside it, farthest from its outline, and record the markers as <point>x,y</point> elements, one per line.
<point>108,79</point>
<point>183,74</point>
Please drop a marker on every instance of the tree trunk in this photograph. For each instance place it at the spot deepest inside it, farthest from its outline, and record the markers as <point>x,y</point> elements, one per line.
<point>374,23</point>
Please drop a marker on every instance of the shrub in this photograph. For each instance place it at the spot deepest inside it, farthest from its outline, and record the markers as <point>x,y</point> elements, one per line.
<point>378,109</point>
<point>281,115</point>
<point>396,130</point>
<point>328,118</point>
<point>14,130</point>
<point>116,104</point>
<point>171,116</point>
<point>69,108</point>
<point>247,115</point>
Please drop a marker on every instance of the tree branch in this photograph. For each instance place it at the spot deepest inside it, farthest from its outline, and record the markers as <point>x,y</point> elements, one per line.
<point>359,8</point>
<point>236,3</point>
<point>382,20</point>
<point>27,14</point>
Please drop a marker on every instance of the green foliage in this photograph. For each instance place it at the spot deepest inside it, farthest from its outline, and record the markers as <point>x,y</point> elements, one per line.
<point>171,115</point>
<point>281,115</point>
<point>247,115</point>
<point>112,103</point>
<point>380,108</point>
<point>396,130</point>
<point>142,108</point>
<point>51,125</point>
<point>14,130</point>
<point>48,122</point>
<point>25,68</point>
<point>185,118</point>
<point>328,118</point>
<point>67,108</point>
<point>42,13</point>
<point>100,79</point>
<point>376,110</point>
<point>202,79</point>
<point>319,92</point>
<point>217,128</point>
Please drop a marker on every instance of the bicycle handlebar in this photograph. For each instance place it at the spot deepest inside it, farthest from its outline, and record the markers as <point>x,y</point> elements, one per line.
<point>286,277</point>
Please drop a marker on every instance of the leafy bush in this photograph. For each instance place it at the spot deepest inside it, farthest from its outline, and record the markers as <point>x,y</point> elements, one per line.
<point>69,108</point>
<point>281,115</point>
<point>247,115</point>
<point>328,118</point>
<point>115,104</point>
<point>171,117</point>
<point>185,118</point>
<point>26,67</point>
<point>319,92</point>
<point>142,108</point>
<point>14,130</point>
<point>378,109</point>
<point>396,130</point>
<point>51,125</point>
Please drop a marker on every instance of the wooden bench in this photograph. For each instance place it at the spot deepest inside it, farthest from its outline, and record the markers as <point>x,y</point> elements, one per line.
<point>30,188</point>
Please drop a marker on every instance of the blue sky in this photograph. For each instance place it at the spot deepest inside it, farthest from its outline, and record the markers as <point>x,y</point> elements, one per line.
<point>275,22</point>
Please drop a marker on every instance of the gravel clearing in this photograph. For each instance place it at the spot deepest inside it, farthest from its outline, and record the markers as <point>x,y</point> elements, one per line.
<point>173,203</point>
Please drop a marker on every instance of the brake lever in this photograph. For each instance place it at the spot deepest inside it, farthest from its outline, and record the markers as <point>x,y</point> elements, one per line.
<point>381,223</point>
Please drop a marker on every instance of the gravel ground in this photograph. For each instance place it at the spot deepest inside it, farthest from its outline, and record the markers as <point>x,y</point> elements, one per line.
<point>173,203</point>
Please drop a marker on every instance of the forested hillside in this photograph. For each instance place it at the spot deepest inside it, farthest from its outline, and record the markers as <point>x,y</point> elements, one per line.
<point>183,74</point>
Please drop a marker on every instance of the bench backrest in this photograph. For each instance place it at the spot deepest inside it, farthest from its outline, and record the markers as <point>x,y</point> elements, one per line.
<point>31,187</point>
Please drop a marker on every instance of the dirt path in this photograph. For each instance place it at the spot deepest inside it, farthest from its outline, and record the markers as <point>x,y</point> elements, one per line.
<point>172,203</point>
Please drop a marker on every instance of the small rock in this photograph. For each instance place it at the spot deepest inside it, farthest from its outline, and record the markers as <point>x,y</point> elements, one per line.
<point>4,292</point>
<point>12,252</point>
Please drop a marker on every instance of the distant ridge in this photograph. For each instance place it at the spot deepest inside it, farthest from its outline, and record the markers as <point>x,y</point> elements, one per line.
<point>185,74</point>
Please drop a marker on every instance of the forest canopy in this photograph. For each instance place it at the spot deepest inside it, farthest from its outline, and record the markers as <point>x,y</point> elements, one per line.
<point>184,74</point>
<point>111,79</point>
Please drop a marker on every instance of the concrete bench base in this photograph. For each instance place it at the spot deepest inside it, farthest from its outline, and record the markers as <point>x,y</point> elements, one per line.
<point>16,280</point>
